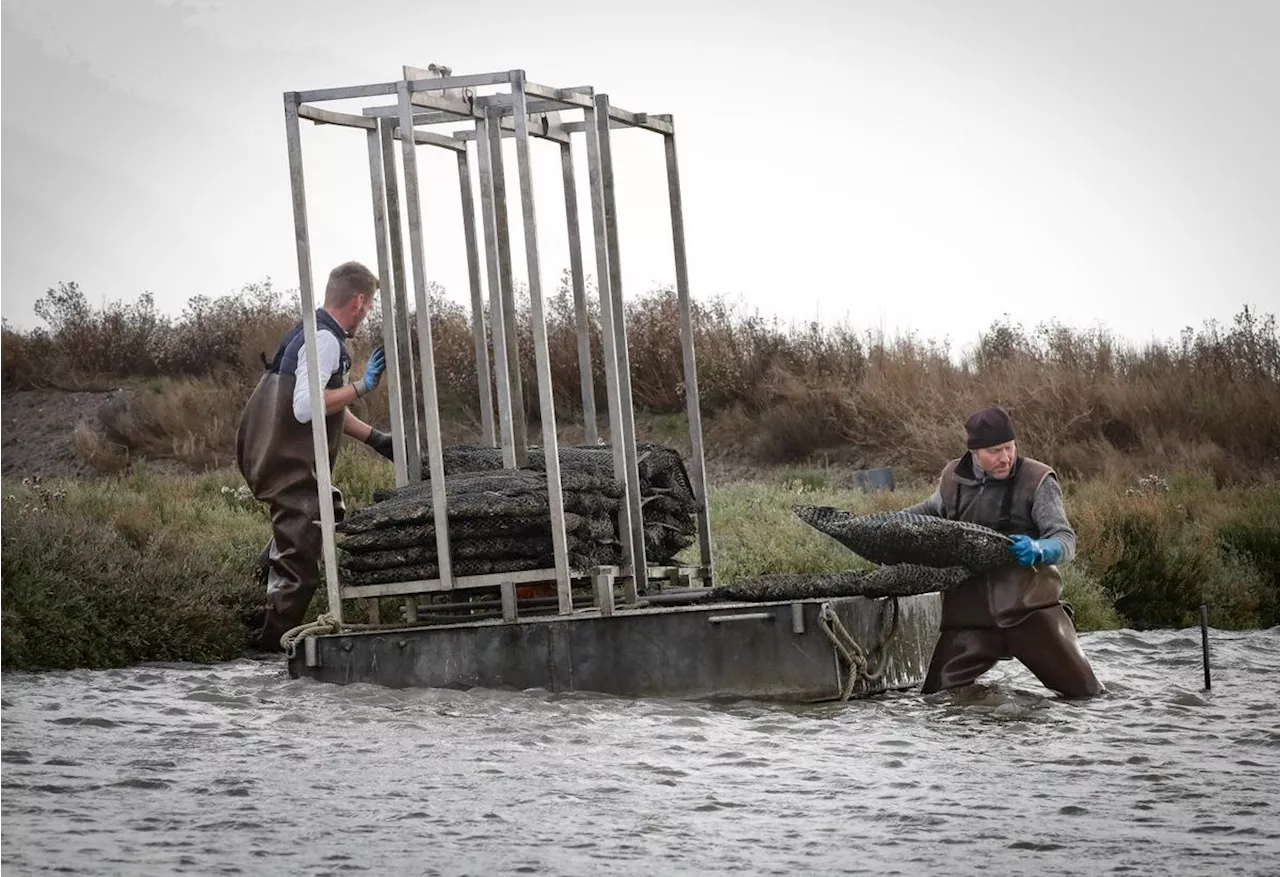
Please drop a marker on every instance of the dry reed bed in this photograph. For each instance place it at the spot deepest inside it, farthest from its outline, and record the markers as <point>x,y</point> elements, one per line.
<point>772,393</point>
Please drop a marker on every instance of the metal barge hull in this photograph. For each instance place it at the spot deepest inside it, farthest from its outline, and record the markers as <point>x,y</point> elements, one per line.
<point>774,651</point>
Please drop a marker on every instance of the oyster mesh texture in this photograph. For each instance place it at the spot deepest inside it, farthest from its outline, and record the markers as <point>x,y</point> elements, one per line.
<point>897,580</point>
<point>898,537</point>
<point>499,519</point>
<point>668,505</point>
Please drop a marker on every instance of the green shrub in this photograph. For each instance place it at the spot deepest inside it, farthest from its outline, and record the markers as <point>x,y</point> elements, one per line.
<point>121,571</point>
<point>1158,581</point>
<point>142,567</point>
<point>1252,534</point>
<point>1089,600</point>
<point>1163,547</point>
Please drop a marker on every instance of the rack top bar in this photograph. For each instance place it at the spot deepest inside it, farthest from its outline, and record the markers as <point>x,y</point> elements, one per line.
<point>428,138</point>
<point>657,124</point>
<point>660,123</point>
<point>438,117</point>
<point>415,85</point>
<point>322,116</point>
<point>553,131</point>
<point>330,117</point>
<point>554,98</point>
<point>459,109</point>
<point>469,81</point>
<point>445,108</point>
<point>344,92</point>
<point>570,96</point>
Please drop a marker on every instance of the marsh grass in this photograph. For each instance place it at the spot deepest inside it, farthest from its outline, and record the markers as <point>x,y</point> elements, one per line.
<point>146,567</point>
<point>115,572</point>
<point>754,532</point>
<point>139,567</point>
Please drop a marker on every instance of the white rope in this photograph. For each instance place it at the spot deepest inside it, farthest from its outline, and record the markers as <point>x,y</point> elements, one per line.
<point>853,657</point>
<point>324,623</point>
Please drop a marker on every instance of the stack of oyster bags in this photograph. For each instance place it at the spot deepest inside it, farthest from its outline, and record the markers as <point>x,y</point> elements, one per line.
<point>499,519</point>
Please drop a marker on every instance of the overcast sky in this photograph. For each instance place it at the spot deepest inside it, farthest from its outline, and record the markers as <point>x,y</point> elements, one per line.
<point>922,166</point>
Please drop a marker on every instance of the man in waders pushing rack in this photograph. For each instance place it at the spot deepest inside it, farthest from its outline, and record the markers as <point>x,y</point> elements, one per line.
<point>274,448</point>
<point>1015,611</point>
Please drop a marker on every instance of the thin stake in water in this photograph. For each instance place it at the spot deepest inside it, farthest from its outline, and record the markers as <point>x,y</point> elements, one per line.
<point>1204,642</point>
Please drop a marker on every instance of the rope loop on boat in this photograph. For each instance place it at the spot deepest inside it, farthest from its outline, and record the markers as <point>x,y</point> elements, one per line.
<point>854,659</point>
<point>324,623</point>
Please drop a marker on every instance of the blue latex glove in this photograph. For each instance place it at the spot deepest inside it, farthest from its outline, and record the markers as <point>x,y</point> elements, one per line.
<point>373,372</point>
<point>1035,552</point>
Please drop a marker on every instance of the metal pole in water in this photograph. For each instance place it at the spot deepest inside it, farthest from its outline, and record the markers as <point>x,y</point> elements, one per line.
<point>1204,642</point>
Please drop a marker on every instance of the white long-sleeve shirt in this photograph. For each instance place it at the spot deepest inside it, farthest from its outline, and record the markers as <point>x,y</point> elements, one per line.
<point>329,355</point>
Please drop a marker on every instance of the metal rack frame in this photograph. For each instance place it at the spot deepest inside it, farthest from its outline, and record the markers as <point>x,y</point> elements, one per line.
<point>523,111</point>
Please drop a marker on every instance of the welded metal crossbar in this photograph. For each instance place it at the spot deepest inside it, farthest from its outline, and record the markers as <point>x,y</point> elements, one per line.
<point>523,111</point>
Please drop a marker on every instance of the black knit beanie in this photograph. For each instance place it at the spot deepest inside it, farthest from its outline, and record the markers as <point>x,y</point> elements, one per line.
<point>989,427</point>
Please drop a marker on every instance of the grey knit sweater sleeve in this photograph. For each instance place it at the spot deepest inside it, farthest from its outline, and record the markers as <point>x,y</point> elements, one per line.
<point>1049,512</point>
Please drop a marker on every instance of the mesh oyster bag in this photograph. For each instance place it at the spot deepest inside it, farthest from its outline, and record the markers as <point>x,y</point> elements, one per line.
<point>468,567</point>
<point>490,548</point>
<point>899,537</point>
<point>410,535</point>
<point>507,493</point>
<point>668,503</point>
<point>897,580</point>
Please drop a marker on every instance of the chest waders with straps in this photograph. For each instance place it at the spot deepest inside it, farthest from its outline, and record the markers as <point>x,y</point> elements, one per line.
<point>275,454</point>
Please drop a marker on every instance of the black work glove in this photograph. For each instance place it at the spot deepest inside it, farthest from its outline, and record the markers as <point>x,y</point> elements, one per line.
<point>381,442</point>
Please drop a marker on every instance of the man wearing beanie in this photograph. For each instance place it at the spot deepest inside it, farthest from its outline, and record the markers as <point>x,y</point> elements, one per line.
<point>1015,611</point>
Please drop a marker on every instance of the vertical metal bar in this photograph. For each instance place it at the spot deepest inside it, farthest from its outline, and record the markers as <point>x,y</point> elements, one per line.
<point>319,438</point>
<point>628,422</point>
<point>510,613</point>
<point>390,339</point>
<point>590,428</point>
<point>408,400</point>
<point>592,135</point>
<point>477,302</point>
<point>692,398</point>
<point>519,421</point>
<point>604,593</point>
<point>541,349</point>
<point>497,323</point>
<point>430,402</point>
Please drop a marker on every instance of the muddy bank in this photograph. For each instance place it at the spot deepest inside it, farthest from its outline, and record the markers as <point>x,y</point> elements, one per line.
<point>39,432</point>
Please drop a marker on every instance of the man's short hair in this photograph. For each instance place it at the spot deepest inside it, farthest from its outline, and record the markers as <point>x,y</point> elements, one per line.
<point>346,282</point>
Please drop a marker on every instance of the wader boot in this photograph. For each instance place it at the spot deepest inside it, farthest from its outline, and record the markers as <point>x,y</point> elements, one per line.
<point>291,569</point>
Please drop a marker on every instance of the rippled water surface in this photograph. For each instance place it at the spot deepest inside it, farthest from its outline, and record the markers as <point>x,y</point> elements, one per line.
<point>237,769</point>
